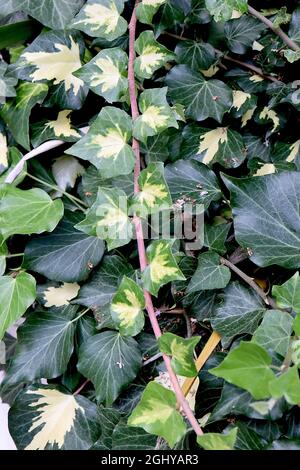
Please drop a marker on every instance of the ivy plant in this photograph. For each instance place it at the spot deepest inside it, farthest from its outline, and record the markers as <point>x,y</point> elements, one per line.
<point>150,224</point>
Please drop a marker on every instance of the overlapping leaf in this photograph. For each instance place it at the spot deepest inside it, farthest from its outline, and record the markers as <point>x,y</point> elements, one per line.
<point>151,55</point>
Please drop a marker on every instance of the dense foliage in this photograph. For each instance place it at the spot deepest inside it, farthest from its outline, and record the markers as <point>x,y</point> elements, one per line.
<point>217,127</point>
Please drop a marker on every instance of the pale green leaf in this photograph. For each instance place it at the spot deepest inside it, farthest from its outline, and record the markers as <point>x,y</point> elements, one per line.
<point>147,9</point>
<point>26,212</point>
<point>17,293</point>
<point>218,441</point>
<point>156,413</point>
<point>248,367</point>
<point>181,351</point>
<point>287,385</point>
<point>288,294</point>
<point>275,331</point>
<point>222,10</point>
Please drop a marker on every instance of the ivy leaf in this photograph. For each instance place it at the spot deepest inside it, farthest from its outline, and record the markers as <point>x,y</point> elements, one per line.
<point>157,414</point>
<point>129,438</point>
<point>101,19</point>
<point>67,254</point>
<point>291,56</point>
<point>108,218</point>
<point>242,32</point>
<point>294,32</point>
<point>162,267</point>
<point>287,385</point>
<point>147,9</point>
<point>248,367</point>
<point>210,273</point>
<point>154,193</point>
<point>217,441</point>
<point>7,84</point>
<point>46,59</point>
<point>181,351</point>
<point>26,212</point>
<point>111,362</point>
<point>222,145</point>
<point>239,311</point>
<point>56,14</point>
<point>201,98</point>
<point>59,128</point>
<point>156,114</point>
<point>222,10</point>
<point>273,237</point>
<point>106,74</point>
<point>106,143</point>
<point>275,331</point>
<point>197,55</point>
<point>3,153</point>
<point>57,295</point>
<point>103,284</point>
<point>45,345</point>
<point>16,113</point>
<point>190,181</point>
<point>288,294</point>
<point>16,295</point>
<point>127,308</point>
<point>215,237</point>
<point>151,55</point>
<point>48,418</point>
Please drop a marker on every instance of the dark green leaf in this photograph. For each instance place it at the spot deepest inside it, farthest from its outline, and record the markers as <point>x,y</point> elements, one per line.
<point>210,273</point>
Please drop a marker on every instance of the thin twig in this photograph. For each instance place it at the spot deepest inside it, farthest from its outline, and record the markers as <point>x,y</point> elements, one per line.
<point>81,387</point>
<point>139,231</point>
<point>266,298</point>
<point>288,41</point>
<point>188,325</point>
<point>152,359</point>
<point>252,68</point>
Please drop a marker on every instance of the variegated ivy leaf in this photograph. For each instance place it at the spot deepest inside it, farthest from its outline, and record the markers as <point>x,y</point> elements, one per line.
<point>108,218</point>
<point>52,57</point>
<point>222,145</point>
<point>106,74</point>
<point>16,113</point>
<point>147,9</point>
<point>152,55</point>
<point>106,143</point>
<point>154,193</point>
<point>53,419</point>
<point>3,153</point>
<point>156,114</point>
<point>157,414</point>
<point>182,352</point>
<point>222,10</point>
<point>127,308</point>
<point>101,19</point>
<point>218,441</point>
<point>59,128</point>
<point>162,267</point>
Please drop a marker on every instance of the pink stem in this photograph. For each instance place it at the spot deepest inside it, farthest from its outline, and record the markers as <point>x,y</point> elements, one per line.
<point>139,231</point>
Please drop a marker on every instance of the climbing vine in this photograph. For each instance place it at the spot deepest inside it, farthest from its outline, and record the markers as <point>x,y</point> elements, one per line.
<point>150,224</point>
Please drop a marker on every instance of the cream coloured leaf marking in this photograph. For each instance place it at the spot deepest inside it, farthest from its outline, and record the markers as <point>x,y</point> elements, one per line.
<point>3,150</point>
<point>97,16</point>
<point>268,113</point>
<point>256,78</point>
<point>295,147</point>
<point>239,98</point>
<point>110,144</point>
<point>128,312</point>
<point>159,268</point>
<point>248,115</point>
<point>62,125</point>
<point>57,66</point>
<point>181,353</point>
<point>109,76</point>
<point>256,46</point>
<point>59,296</point>
<point>57,413</point>
<point>154,118</point>
<point>153,3</point>
<point>114,216</point>
<point>151,58</point>
<point>266,169</point>
<point>209,143</point>
<point>213,69</point>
